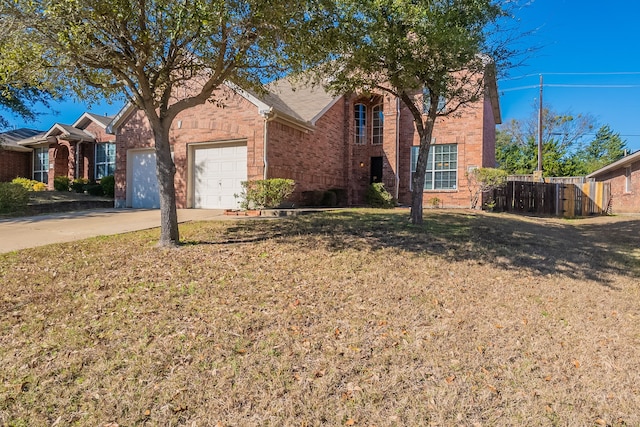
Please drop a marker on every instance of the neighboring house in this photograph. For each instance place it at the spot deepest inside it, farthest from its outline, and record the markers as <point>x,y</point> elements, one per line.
<point>624,177</point>
<point>15,160</point>
<point>82,150</point>
<point>303,133</point>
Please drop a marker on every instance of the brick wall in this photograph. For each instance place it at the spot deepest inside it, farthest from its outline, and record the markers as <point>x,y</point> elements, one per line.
<point>326,157</point>
<point>14,164</point>
<point>624,201</point>
<point>236,119</point>
<point>313,158</point>
<point>475,148</point>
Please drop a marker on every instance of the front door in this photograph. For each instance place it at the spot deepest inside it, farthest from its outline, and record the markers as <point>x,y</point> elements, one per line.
<point>376,170</point>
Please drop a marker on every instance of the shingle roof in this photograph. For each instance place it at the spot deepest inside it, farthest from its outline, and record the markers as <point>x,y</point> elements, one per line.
<point>69,131</point>
<point>623,162</point>
<point>301,101</point>
<point>9,140</point>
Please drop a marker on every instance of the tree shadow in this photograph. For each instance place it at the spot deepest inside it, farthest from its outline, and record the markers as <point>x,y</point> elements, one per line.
<point>541,246</point>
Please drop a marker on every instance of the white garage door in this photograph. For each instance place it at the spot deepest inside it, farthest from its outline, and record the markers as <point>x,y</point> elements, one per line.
<point>218,172</point>
<point>144,181</point>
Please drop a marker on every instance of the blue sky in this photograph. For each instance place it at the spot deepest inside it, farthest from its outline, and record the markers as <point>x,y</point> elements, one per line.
<point>584,49</point>
<point>581,45</point>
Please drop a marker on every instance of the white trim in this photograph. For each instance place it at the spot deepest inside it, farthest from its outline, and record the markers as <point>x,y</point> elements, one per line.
<point>120,117</point>
<point>324,110</point>
<point>625,161</point>
<point>246,95</point>
<point>88,116</point>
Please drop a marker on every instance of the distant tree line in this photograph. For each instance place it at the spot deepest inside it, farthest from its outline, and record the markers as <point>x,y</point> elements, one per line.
<point>569,145</point>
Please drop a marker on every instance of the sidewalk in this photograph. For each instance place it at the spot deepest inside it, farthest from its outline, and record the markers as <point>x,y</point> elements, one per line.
<point>33,231</point>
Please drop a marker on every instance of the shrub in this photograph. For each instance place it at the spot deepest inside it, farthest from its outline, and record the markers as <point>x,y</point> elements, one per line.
<point>77,185</point>
<point>265,193</point>
<point>378,197</point>
<point>30,184</point>
<point>108,184</point>
<point>61,183</point>
<point>94,189</point>
<point>329,199</point>
<point>13,198</point>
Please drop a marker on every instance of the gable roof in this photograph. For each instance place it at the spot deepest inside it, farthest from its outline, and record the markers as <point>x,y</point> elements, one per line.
<point>301,105</point>
<point>68,132</point>
<point>304,102</point>
<point>622,163</point>
<point>86,119</point>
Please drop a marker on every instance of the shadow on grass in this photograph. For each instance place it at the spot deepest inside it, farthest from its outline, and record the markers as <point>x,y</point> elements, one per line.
<point>570,249</point>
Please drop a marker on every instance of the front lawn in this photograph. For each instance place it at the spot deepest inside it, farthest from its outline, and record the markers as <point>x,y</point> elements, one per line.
<point>350,318</point>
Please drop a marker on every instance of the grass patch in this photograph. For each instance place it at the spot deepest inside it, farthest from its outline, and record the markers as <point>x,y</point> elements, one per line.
<point>354,317</point>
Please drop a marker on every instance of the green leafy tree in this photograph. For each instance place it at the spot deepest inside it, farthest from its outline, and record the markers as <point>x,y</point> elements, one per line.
<point>606,148</point>
<point>153,50</point>
<point>482,180</point>
<point>517,143</point>
<point>25,79</point>
<point>421,51</point>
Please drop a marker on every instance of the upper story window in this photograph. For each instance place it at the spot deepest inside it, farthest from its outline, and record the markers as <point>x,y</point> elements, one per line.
<point>442,167</point>
<point>378,124</point>
<point>627,179</point>
<point>41,164</point>
<point>105,160</point>
<point>360,122</point>
<point>426,102</point>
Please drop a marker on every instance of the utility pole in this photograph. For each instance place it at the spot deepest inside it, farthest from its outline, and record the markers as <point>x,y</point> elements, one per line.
<point>540,130</point>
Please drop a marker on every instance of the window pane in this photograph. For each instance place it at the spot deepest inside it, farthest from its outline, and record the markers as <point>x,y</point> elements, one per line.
<point>378,124</point>
<point>360,122</point>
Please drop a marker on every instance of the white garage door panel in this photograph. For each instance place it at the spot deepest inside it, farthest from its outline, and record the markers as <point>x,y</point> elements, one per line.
<point>144,182</point>
<point>218,173</point>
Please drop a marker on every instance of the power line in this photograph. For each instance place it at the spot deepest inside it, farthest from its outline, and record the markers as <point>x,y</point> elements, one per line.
<point>584,86</point>
<point>610,73</point>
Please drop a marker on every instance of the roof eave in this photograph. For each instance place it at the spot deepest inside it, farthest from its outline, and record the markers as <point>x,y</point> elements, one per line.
<point>623,162</point>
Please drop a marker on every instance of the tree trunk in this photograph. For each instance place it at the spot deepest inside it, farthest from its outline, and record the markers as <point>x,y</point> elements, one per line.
<point>417,189</point>
<point>166,170</point>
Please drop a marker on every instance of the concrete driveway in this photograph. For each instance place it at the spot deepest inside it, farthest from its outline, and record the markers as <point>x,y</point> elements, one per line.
<point>29,232</point>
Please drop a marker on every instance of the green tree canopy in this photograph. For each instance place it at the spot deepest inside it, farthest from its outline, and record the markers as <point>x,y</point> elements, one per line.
<point>153,50</point>
<point>25,78</point>
<point>562,138</point>
<point>421,51</point>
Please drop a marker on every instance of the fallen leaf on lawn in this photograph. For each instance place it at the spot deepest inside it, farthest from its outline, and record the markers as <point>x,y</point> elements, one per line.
<point>601,422</point>
<point>576,363</point>
<point>147,412</point>
<point>524,321</point>
<point>350,422</point>
<point>337,332</point>
<point>547,378</point>
<point>450,379</point>
<point>499,326</point>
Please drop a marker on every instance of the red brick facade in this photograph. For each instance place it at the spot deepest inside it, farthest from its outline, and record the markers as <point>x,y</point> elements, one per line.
<point>624,177</point>
<point>321,155</point>
<point>14,164</point>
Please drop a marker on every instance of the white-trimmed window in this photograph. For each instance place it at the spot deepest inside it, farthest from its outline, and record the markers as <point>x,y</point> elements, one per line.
<point>426,102</point>
<point>377,124</point>
<point>442,167</point>
<point>627,179</point>
<point>360,123</point>
<point>105,160</point>
<point>41,164</point>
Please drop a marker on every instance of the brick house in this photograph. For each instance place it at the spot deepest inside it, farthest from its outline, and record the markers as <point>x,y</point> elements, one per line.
<point>303,133</point>
<point>624,176</point>
<point>82,150</point>
<point>15,159</point>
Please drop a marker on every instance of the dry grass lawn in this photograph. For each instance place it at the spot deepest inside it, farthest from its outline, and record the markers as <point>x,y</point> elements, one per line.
<point>351,318</point>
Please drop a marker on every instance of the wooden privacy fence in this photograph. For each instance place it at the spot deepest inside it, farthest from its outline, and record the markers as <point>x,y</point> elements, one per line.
<point>556,199</point>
